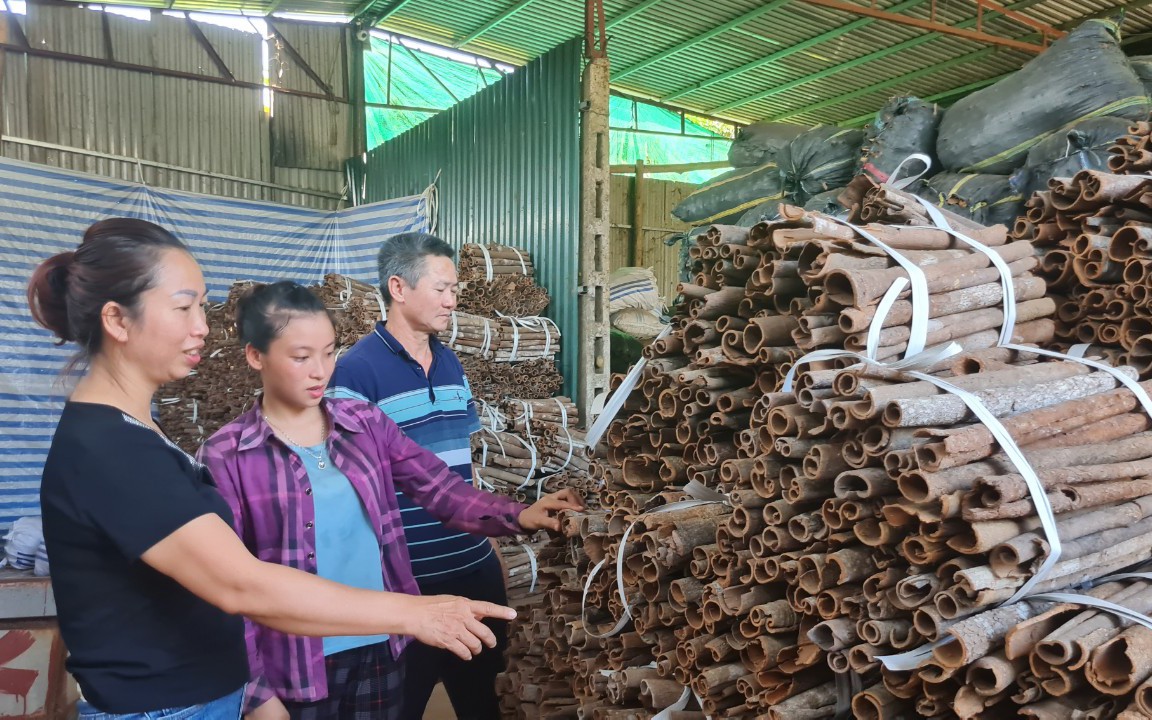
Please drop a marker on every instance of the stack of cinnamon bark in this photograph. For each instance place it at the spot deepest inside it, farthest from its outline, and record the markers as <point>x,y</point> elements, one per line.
<point>499,279</point>
<point>531,447</point>
<point>502,338</point>
<point>864,512</point>
<point>1094,231</point>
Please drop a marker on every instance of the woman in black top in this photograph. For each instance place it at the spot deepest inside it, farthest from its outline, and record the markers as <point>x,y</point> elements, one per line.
<point>148,575</point>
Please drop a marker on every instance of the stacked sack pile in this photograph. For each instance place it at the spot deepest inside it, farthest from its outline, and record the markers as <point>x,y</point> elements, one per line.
<point>943,529</point>
<point>986,153</point>
<point>531,442</point>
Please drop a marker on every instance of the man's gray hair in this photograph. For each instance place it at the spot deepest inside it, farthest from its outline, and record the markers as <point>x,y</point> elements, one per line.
<point>403,256</point>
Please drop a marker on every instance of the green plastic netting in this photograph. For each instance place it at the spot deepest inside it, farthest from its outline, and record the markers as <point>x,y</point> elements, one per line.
<point>418,84</point>
<point>417,80</point>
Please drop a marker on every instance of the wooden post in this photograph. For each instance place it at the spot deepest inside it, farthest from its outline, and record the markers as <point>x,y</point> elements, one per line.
<point>639,206</point>
<point>594,223</point>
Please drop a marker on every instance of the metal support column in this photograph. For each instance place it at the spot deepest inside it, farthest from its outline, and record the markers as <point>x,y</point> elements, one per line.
<point>595,176</point>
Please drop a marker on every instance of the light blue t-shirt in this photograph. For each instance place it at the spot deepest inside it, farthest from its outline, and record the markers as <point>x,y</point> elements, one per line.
<point>347,551</point>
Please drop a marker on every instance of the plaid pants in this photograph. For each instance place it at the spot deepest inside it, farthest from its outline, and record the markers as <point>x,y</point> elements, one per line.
<point>364,683</point>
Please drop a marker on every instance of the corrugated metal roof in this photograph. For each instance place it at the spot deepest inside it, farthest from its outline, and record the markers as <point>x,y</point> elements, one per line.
<point>817,56</point>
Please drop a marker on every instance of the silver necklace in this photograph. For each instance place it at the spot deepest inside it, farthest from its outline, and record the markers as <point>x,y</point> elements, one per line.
<point>318,457</point>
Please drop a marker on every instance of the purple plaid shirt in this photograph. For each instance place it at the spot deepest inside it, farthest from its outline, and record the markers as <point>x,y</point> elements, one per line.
<point>267,487</point>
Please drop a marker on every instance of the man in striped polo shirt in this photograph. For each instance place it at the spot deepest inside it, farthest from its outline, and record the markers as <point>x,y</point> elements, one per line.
<point>403,368</point>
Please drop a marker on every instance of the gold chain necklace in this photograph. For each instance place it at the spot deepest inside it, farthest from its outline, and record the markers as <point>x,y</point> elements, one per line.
<point>318,457</point>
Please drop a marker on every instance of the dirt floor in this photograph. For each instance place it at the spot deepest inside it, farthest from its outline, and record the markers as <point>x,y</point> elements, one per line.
<point>439,708</point>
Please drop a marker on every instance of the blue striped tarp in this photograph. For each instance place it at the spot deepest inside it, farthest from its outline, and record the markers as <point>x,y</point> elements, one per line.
<point>45,210</point>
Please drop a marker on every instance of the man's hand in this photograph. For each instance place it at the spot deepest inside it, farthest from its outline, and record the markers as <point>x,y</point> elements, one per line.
<point>271,710</point>
<point>453,623</point>
<point>542,515</point>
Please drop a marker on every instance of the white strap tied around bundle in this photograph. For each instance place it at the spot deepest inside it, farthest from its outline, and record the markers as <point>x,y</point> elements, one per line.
<point>526,416</point>
<point>482,483</point>
<point>532,562</point>
<point>682,703</point>
<point>919,327</point>
<point>383,307</point>
<point>1007,286</point>
<point>455,330</point>
<point>523,265</point>
<point>346,293</point>
<point>486,346</point>
<point>532,455</point>
<point>614,403</point>
<point>487,262</point>
<point>1079,599</point>
<point>704,496</point>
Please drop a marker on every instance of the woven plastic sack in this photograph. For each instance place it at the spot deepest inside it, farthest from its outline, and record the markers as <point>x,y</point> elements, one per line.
<point>904,126</point>
<point>986,199</point>
<point>828,203</point>
<point>644,325</point>
<point>729,194</point>
<point>1142,64</point>
<point>759,143</point>
<point>1082,146</point>
<point>633,287</point>
<point>1082,75</point>
<point>818,161</point>
<point>764,212</point>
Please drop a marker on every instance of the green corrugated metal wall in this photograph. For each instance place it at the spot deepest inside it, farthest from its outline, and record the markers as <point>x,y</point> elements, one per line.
<point>509,164</point>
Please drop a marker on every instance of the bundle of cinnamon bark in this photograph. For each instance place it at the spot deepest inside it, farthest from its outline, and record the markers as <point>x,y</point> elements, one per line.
<point>866,512</point>
<point>1094,231</point>
<point>486,262</point>
<point>492,381</point>
<point>516,295</point>
<point>531,447</point>
<point>502,338</point>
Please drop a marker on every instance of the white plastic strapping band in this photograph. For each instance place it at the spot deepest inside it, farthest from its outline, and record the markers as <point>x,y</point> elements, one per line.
<point>621,555</point>
<point>487,262</point>
<point>531,561</point>
<point>523,266</point>
<point>1006,285</point>
<point>919,326</point>
<point>614,404</point>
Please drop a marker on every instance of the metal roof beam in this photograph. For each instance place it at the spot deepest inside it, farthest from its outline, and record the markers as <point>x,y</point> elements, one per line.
<point>283,44</point>
<point>898,19</point>
<point>909,77</point>
<point>790,50</point>
<point>692,42</point>
<point>370,15</point>
<point>493,23</point>
<point>870,57</point>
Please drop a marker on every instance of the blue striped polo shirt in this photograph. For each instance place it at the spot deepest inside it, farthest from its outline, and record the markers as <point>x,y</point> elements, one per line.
<point>436,410</point>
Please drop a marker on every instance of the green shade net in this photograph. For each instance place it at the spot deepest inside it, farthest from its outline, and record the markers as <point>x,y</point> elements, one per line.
<point>417,80</point>
<point>418,84</point>
<point>680,141</point>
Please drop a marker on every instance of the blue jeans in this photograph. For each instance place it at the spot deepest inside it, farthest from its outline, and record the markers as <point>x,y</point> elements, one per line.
<point>225,708</point>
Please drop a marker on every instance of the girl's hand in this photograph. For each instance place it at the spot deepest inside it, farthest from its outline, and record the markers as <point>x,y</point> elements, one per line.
<point>542,515</point>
